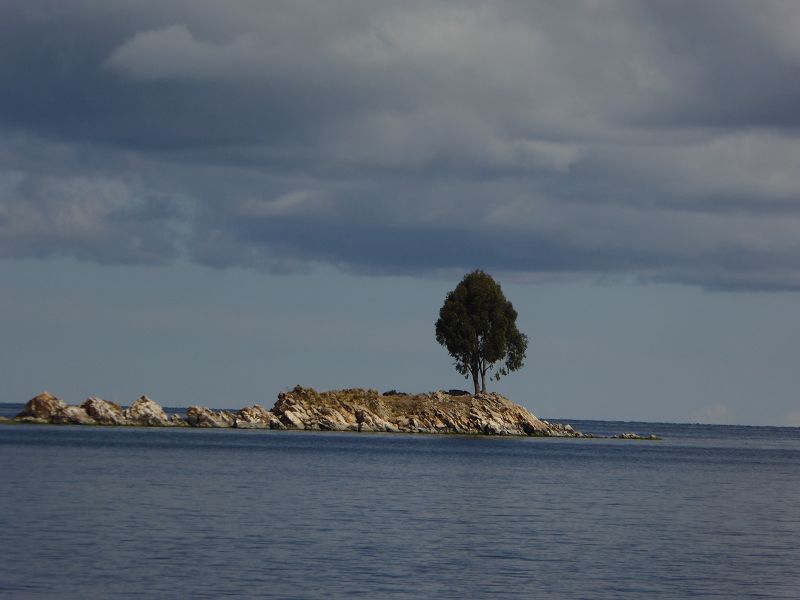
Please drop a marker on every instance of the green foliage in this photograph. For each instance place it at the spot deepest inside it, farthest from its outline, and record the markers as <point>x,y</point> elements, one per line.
<point>478,327</point>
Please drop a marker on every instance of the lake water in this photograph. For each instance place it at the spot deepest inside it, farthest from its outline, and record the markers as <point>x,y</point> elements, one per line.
<point>93,512</point>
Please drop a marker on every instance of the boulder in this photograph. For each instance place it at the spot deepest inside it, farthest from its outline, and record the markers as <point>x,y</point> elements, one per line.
<point>367,421</point>
<point>146,412</point>
<point>200,416</point>
<point>178,421</point>
<point>255,414</point>
<point>42,407</point>
<point>72,415</point>
<point>291,420</point>
<point>104,412</point>
<point>331,419</point>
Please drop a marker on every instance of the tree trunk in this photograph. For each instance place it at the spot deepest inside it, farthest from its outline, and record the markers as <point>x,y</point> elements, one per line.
<point>475,379</point>
<point>483,380</point>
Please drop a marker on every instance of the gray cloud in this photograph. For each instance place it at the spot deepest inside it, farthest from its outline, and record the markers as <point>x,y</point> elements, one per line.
<point>90,218</point>
<point>645,140</point>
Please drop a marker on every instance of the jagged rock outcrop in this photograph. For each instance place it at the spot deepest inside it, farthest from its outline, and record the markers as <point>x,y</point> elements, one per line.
<point>256,417</point>
<point>47,408</point>
<point>41,408</point>
<point>72,415</point>
<point>105,412</point>
<point>340,410</point>
<point>146,412</point>
<point>178,421</point>
<point>439,412</point>
<point>200,416</point>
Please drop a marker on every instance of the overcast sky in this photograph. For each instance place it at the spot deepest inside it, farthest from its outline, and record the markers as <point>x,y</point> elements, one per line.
<point>210,201</point>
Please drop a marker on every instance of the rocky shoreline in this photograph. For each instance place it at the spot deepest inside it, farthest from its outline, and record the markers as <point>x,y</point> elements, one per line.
<point>453,412</point>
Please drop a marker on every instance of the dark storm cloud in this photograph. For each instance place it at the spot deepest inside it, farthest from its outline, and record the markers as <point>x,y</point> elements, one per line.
<point>647,140</point>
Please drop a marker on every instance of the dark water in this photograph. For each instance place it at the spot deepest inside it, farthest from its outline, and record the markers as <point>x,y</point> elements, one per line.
<point>710,512</point>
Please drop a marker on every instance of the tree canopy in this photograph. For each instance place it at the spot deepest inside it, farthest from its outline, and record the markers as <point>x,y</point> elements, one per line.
<point>478,326</point>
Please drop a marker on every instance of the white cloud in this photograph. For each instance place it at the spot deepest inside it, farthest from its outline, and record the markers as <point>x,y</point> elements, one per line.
<point>299,202</point>
<point>97,218</point>
<point>757,164</point>
<point>173,53</point>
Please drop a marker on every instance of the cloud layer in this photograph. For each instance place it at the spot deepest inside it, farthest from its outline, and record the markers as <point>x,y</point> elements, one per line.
<point>643,140</point>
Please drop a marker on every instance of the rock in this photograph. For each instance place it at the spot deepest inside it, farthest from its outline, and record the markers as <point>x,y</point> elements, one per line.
<point>367,410</point>
<point>104,412</point>
<point>178,421</point>
<point>361,417</point>
<point>332,420</point>
<point>256,417</point>
<point>72,415</point>
<point>146,412</point>
<point>634,436</point>
<point>402,422</point>
<point>42,407</point>
<point>255,414</point>
<point>200,416</point>
<point>454,411</point>
<point>4,420</point>
<point>276,424</point>
<point>366,421</point>
<point>291,420</point>
<point>47,408</point>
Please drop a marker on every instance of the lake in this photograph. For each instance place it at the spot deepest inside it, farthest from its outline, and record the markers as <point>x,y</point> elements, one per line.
<point>95,512</point>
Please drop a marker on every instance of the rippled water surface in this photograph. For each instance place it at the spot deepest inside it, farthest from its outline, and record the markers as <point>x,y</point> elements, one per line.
<point>92,512</point>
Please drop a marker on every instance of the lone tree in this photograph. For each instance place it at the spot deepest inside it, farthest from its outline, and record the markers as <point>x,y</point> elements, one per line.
<point>478,327</point>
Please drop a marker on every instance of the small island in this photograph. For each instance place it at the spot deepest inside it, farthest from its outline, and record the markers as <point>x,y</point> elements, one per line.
<point>303,408</point>
<point>360,410</point>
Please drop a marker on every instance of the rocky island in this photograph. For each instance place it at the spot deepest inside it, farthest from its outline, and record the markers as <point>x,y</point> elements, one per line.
<point>453,411</point>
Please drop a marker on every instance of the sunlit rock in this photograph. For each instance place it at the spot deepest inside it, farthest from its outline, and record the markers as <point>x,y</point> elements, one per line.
<point>200,416</point>
<point>437,412</point>
<point>72,415</point>
<point>41,407</point>
<point>105,412</point>
<point>146,412</point>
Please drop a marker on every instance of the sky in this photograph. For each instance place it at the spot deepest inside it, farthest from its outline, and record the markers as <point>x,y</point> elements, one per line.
<point>211,202</point>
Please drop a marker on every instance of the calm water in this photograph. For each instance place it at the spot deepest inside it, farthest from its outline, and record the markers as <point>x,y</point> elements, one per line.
<point>710,512</point>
